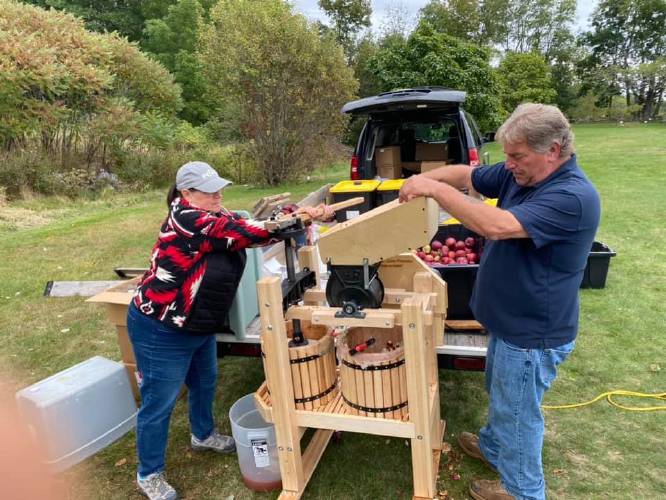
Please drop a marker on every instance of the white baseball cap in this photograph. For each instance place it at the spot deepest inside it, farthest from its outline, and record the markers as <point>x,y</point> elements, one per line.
<point>200,176</point>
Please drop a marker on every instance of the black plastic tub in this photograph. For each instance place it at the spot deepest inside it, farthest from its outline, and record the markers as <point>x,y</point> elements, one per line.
<point>598,262</point>
<point>459,278</point>
<point>346,190</point>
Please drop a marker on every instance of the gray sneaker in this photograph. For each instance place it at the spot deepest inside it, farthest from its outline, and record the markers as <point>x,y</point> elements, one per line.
<point>216,442</point>
<point>155,487</point>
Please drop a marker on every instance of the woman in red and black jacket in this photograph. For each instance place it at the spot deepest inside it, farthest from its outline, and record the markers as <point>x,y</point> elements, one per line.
<point>180,303</point>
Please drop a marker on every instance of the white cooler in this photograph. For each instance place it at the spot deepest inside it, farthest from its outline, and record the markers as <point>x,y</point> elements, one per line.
<point>77,412</point>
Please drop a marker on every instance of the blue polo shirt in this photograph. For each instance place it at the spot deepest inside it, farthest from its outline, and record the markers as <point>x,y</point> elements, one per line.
<point>526,289</point>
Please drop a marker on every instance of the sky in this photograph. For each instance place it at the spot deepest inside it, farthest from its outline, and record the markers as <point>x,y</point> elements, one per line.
<point>380,9</point>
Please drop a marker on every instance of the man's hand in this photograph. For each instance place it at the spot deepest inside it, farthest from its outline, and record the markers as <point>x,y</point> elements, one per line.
<point>415,186</point>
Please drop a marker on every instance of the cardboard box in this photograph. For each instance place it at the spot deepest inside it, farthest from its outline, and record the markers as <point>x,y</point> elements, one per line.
<point>431,152</point>
<point>390,172</point>
<point>126,349</point>
<point>133,376</point>
<point>412,166</point>
<point>387,157</point>
<point>426,166</point>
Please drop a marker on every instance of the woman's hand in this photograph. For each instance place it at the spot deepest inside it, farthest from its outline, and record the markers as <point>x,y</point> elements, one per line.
<point>321,212</point>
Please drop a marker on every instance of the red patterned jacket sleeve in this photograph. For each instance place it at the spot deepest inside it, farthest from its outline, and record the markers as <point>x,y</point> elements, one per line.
<point>220,231</point>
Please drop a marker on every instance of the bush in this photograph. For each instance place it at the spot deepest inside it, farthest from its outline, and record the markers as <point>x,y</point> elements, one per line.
<point>232,161</point>
<point>32,169</point>
<point>77,103</point>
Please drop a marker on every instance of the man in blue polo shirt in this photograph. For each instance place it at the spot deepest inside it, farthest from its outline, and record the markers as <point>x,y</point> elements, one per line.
<point>526,291</point>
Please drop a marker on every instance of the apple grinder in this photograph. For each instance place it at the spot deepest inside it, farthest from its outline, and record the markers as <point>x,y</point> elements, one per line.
<point>353,252</point>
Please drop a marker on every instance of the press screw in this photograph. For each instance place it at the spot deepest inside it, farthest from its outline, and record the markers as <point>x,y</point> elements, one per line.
<point>269,327</point>
<point>412,326</point>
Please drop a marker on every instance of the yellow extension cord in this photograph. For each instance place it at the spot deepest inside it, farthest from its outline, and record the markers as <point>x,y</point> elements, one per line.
<point>609,397</point>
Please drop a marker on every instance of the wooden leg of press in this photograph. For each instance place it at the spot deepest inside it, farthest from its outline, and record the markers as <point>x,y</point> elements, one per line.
<point>419,397</point>
<point>278,377</point>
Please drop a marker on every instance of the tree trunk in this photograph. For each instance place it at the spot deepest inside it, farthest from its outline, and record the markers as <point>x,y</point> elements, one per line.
<point>657,107</point>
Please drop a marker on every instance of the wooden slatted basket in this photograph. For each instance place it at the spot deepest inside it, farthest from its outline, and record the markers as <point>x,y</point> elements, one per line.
<point>374,383</point>
<point>313,367</point>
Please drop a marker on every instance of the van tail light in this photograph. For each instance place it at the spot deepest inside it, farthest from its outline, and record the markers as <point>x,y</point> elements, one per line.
<point>353,168</point>
<point>473,157</point>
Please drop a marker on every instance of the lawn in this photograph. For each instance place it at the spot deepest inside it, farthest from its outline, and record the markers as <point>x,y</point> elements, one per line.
<point>597,451</point>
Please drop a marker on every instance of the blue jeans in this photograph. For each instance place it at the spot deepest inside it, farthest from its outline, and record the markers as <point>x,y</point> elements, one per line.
<point>166,359</point>
<point>512,439</point>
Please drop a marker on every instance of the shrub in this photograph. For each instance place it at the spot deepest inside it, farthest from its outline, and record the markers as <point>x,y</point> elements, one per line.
<point>74,103</point>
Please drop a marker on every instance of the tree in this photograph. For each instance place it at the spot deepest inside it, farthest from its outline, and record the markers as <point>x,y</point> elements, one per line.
<point>369,84</point>
<point>123,16</point>
<point>428,57</point>
<point>397,21</point>
<point>525,78</point>
<point>511,26</point>
<point>173,40</point>
<point>627,44</point>
<point>458,18</point>
<point>279,84</point>
<point>348,17</point>
<point>525,26</point>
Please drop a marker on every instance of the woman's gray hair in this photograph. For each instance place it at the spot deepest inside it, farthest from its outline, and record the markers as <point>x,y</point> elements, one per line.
<point>539,125</point>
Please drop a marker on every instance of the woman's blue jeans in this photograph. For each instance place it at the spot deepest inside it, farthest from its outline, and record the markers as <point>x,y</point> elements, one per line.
<point>166,359</point>
<point>512,439</point>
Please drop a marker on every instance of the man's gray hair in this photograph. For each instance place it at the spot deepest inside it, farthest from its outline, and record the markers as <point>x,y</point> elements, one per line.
<point>539,125</point>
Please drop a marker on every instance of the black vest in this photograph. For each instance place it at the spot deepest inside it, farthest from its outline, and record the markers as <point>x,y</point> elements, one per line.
<point>218,288</point>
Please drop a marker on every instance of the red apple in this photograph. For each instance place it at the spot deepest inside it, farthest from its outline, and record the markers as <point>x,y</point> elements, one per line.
<point>429,258</point>
<point>436,245</point>
<point>450,242</point>
<point>461,260</point>
<point>471,257</point>
<point>460,245</point>
<point>446,260</point>
<point>421,255</point>
<point>460,253</point>
<point>452,254</point>
<point>470,242</point>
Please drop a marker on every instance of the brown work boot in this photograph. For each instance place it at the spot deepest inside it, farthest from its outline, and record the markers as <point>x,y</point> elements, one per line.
<point>470,445</point>
<point>484,489</point>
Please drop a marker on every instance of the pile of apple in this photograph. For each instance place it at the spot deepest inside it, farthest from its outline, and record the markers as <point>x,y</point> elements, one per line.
<point>451,251</point>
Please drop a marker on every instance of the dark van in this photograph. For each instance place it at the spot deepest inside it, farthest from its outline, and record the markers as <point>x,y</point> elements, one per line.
<point>413,130</point>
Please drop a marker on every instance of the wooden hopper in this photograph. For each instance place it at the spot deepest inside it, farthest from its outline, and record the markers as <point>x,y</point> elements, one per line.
<point>381,233</point>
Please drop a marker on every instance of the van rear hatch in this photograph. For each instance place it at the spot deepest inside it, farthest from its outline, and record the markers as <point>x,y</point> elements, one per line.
<point>407,100</point>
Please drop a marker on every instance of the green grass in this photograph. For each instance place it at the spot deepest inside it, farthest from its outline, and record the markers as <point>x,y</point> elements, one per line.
<point>592,452</point>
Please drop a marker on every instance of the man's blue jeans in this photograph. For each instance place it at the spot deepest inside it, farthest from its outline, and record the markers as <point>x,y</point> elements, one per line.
<point>166,358</point>
<point>512,439</point>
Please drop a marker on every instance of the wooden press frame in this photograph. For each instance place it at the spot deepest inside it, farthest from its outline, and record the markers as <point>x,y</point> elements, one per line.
<point>420,313</point>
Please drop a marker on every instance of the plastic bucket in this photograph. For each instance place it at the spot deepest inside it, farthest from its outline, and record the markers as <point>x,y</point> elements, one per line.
<point>256,446</point>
